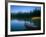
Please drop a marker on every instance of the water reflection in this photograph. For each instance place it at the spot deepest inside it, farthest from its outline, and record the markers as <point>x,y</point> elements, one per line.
<point>21,25</point>
<point>17,25</point>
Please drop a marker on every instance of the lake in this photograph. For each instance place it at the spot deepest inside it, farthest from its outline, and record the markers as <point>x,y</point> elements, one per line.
<point>19,25</point>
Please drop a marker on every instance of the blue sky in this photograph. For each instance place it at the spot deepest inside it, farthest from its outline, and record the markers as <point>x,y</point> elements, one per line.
<point>16,9</point>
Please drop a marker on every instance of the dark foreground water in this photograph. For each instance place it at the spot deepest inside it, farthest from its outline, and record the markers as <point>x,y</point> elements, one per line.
<point>19,25</point>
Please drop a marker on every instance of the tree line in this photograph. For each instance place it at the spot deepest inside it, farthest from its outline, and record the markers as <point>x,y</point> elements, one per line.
<point>27,15</point>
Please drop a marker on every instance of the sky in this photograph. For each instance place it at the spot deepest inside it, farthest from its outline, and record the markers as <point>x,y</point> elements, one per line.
<point>23,9</point>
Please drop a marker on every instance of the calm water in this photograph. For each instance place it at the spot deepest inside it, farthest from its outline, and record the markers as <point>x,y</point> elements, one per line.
<point>18,25</point>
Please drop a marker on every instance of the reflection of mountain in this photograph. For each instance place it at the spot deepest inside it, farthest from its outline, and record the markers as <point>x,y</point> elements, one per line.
<point>25,15</point>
